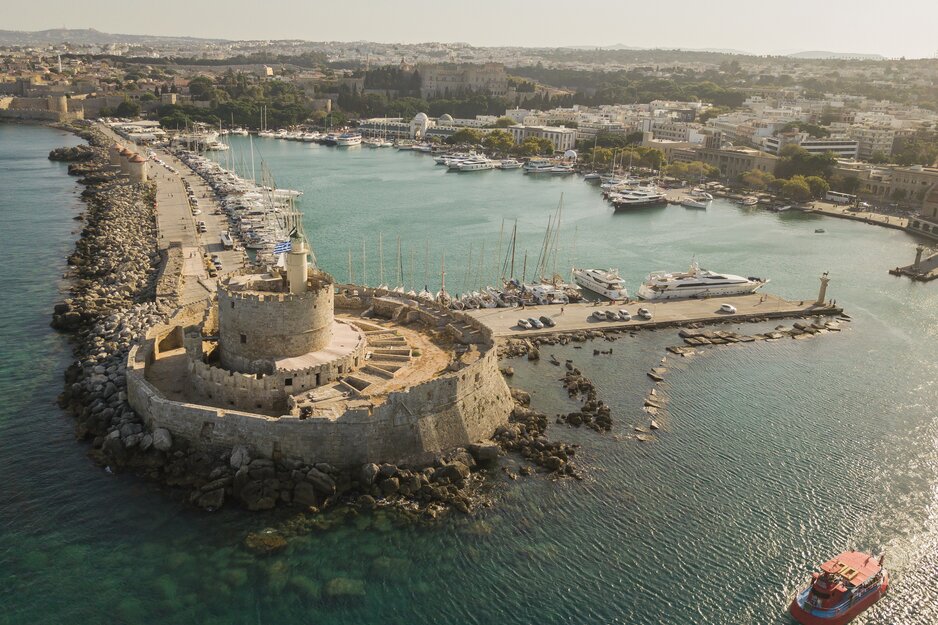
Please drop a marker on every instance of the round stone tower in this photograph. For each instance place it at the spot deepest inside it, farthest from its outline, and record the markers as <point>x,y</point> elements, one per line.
<point>263,318</point>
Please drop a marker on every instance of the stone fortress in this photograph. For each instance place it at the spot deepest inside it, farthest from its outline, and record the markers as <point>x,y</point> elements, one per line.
<point>268,365</point>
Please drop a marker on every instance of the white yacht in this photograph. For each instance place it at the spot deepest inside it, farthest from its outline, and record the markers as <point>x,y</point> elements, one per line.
<point>473,164</point>
<point>561,170</point>
<point>607,283</point>
<point>509,163</point>
<point>538,166</point>
<point>696,282</point>
<point>640,197</point>
<point>348,139</point>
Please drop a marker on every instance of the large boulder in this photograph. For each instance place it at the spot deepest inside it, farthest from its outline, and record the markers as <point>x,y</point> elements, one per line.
<point>305,495</point>
<point>453,472</point>
<point>162,439</point>
<point>240,456</point>
<point>485,453</point>
<point>344,588</point>
<point>369,473</point>
<point>322,482</point>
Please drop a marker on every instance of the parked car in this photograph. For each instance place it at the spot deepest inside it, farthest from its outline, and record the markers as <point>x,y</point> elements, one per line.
<point>728,308</point>
<point>535,323</point>
<point>524,324</point>
<point>598,315</point>
<point>644,313</point>
<point>611,315</point>
<point>624,315</point>
<point>547,321</point>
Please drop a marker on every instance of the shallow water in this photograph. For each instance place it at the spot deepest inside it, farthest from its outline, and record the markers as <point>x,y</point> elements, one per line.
<point>772,455</point>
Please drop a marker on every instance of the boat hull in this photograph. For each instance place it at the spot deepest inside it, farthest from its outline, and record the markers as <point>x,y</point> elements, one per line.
<point>807,616</point>
<point>625,207</point>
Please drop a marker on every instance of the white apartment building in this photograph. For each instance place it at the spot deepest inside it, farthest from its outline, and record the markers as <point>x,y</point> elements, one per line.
<point>562,138</point>
<point>841,147</point>
<point>873,139</point>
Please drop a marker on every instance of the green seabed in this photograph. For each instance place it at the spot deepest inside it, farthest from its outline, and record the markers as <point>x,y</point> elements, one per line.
<point>772,456</point>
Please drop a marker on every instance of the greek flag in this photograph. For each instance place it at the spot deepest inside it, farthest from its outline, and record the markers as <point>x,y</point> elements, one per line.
<point>283,247</point>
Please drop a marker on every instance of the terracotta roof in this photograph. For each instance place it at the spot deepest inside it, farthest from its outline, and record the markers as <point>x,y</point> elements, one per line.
<point>136,158</point>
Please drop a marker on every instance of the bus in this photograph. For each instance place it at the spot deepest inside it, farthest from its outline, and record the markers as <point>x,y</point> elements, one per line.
<point>840,198</point>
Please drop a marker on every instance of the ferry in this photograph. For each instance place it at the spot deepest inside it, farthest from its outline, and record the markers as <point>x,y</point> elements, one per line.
<point>607,283</point>
<point>696,282</point>
<point>348,139</point>
<point>538,166</point>
<point>842,589</point>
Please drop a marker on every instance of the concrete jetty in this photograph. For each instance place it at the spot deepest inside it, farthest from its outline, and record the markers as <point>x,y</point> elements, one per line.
<point>921,270</point>
<point>503,322</point>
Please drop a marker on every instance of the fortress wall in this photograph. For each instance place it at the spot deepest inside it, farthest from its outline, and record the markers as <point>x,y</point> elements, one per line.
<point>263,327</point>
<point>267,392</point>
<point>449,411</point>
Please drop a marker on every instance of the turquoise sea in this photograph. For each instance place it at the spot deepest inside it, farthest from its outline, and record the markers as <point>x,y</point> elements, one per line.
<point>772,456</point>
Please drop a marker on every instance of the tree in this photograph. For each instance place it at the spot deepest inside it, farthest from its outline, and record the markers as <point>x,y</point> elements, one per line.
<point>465,135</point>
<point>694,170</point>
<point>504,122</point>
<point>797,189</point>
<point>533,146</point>
<point>757,179</point>
<point>127,109</point>
<point>812,129</point>
<point>796,161</point>
<point>499,141</point>
<point>819,187</point>
<point>201,88</point>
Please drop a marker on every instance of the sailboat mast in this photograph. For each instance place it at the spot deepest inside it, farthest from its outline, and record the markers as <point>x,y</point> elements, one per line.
<point>380,261</point>
<point>498,253</point>
<point>524,268</point>
<point>364,265</point>
<point>400,265</point>
<point>351,278</point>
<point>426,266</point>
<point>253,176</point>
<point>514,239</point>
<point>467,277</point>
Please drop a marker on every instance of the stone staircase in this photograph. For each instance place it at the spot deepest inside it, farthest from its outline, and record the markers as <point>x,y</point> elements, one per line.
<point>388,353</point>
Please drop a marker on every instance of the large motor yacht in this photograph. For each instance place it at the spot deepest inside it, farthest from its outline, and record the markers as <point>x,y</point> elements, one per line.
<point>607,282</point>
<point>640,197</point>
<point>696,282</point>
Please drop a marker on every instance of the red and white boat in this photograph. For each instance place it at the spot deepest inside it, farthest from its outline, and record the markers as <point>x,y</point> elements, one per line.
<point>841,589</point>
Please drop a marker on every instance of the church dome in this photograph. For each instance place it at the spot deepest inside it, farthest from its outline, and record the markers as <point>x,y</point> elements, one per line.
<point>446,118</point>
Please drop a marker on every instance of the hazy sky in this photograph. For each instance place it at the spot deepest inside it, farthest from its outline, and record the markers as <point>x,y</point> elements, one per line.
<point>897,28</point>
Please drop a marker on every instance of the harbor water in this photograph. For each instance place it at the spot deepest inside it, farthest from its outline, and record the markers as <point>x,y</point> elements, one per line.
<point>771,458</point>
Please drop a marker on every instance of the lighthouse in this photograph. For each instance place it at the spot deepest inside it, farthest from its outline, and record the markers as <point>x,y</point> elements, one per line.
<point>297,263</point>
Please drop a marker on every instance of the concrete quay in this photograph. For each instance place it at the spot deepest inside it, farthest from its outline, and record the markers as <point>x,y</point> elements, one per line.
<point>503,322</point>
<point>843,212</point>
<point>177,226</point>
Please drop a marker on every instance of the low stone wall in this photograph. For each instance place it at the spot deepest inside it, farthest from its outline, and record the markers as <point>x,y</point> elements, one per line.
<point>169,280</point>
<point>412,426</point>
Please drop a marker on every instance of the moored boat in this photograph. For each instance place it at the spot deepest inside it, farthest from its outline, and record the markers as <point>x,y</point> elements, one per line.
<point>696,282</point>
<point>607,283</point>
<point>841,589</point>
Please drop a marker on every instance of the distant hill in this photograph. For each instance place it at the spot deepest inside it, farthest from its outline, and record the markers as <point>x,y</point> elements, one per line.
<point>88,36</point>
<point>850,56</point>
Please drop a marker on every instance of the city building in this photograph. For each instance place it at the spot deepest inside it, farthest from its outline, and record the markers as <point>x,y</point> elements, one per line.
<point>562,138</point>
<point>840,147</point>
<point>443,80</point>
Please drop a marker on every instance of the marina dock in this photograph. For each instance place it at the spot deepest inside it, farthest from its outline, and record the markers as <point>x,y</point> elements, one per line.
<point>504,321</point>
